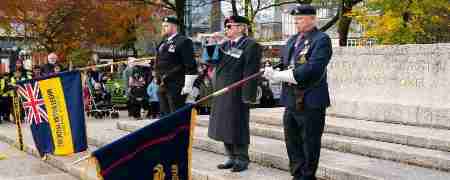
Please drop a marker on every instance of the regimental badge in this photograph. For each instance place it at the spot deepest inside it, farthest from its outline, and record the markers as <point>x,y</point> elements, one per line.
<point>172,48</point>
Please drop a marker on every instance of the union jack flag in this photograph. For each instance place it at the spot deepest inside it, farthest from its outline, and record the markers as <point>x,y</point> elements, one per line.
<point>33,103</point>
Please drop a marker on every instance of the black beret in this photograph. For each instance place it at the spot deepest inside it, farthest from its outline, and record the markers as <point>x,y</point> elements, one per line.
<point>171,19</point>
<point>236,19</point>
<point>302,10</point>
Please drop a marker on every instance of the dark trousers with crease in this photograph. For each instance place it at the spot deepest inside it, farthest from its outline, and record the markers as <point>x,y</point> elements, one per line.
<point>169,102</point>
<point>237,153</point>
<point>303,133</point>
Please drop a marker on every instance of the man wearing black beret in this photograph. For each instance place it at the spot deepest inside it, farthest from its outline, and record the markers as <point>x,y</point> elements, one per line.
<point>239,57</point>
<point>305,92</point>
<point>175,67</point>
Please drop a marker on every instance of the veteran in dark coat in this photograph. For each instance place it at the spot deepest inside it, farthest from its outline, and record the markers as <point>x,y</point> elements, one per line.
<point>239,57</point>
<point>305,92</point>
<point>175,67</point>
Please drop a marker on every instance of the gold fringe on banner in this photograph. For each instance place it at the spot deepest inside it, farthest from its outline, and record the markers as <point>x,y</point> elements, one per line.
<point>191,140</point>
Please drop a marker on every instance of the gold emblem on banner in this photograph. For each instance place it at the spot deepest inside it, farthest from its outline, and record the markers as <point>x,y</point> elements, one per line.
<point>158,172</point>
<point>174,171</point>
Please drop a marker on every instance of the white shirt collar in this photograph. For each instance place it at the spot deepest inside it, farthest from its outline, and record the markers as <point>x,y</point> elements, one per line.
<point>237,39</point>
<point>172,36</point>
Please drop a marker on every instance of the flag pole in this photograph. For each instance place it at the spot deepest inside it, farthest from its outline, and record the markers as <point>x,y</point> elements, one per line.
<point>81,159</point>
<point>114,63</point>
<point>232,86</point>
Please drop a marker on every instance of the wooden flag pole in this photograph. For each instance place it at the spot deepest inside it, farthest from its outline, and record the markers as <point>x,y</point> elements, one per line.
<point>18,120</point>
<point>81,159</point>
<point>232,86</point>
<point>114,63</point>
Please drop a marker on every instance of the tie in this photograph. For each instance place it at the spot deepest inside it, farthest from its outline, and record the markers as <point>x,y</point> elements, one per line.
<point>295,48</point>
<point>232,44</point>
<point>299,39</point>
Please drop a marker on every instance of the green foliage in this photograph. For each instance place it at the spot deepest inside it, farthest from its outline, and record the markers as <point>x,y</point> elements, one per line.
<point>408,21</point>
<point>79,57</point>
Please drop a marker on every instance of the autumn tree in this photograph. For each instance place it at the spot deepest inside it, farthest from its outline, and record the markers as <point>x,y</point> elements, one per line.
<point>53,25</point>
<point>117,23</point>
<point>409,21</point>
<point>68,25</point>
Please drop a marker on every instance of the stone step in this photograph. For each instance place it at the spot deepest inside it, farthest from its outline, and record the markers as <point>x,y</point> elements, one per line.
<point>204,162</point>
<point>430,138</point>
<point>333,165</point>
<point>383,150</point>
<point>429,117</point>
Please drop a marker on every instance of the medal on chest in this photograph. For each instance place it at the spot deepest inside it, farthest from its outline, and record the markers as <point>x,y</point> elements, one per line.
<point>235,52</point>
<point>171,48</point>
<point>302,55</point>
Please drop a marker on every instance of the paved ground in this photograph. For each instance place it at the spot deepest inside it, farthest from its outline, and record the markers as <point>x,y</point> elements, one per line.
<point>19,165</point>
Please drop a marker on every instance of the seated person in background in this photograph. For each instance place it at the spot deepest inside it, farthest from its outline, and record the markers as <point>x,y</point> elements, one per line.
<point>101,96</point>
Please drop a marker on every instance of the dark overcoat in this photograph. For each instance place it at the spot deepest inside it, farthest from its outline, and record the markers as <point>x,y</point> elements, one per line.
<point>229,119</point>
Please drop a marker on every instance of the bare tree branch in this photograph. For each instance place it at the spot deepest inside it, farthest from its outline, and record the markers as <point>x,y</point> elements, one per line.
<point>233,5</point>
<point>332,22</point>
<point>275,5</point>
<point>258,5</point>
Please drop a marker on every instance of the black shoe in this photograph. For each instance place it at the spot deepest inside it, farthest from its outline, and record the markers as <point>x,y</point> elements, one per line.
<point>226,165</point>
<point>239,167</point>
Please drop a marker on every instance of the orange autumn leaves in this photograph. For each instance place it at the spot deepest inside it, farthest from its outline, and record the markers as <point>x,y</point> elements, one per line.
<point>64,25</point>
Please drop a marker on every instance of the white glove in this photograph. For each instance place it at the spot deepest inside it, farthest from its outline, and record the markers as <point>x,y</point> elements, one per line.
<point>277,76</point>
<point>192,96</point>
<point>268,72</point>
<point>188,84</point>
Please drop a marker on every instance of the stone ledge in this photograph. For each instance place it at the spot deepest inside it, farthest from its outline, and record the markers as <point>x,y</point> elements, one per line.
<point>431,117</point>
<point>430,138</point>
